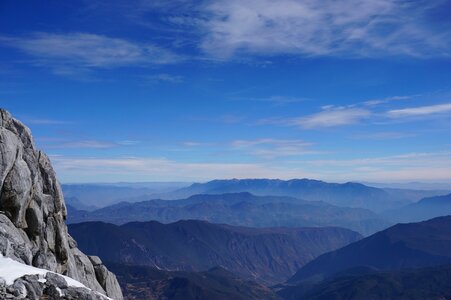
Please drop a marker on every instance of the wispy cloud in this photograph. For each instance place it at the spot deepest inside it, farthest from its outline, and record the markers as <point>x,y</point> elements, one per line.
<point>273,148</point>
<point>433,166</point>
<point>163,77</point>
<point>372,111</point>
<point>84,51</point>
<point>374,102</point>
<point>65,143</point>
<point>332,117</point>
<point>141,169</point>
<point>424,166</point>
<point>384,135</point>
<point>420,111</point>
<point>45,121</point>
<point>324,28</point>
<point>276,100</point>
<point>88,144</point>
<point>128,142</point>
<point>407,159</point>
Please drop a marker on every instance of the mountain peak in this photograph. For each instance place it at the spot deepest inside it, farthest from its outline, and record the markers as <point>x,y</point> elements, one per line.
<point>33,212</point>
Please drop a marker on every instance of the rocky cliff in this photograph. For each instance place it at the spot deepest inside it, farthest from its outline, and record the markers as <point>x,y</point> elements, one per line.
<point>32,213</point>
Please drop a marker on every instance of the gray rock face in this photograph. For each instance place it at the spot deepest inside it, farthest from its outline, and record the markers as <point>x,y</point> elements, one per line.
<point>32,213</point>
<point>54,287</point>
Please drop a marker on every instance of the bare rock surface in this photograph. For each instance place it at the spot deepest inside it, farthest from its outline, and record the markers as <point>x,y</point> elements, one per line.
<point>33,213</point>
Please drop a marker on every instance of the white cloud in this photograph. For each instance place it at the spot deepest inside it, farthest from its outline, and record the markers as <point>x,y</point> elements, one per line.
<point>45,122</point>
<point>276,100</point>
<point>388,135</point>
<point>420,111</point>
<point>331,117</point>
<point>323,28</point>
<point>89,144</point>
<point>65,52</point>
<point>375,102</point>
<point>163,77</point>
<point>271,148</point>
<point>402,168</point>
<point>84,169</point>
<point>64,143</point>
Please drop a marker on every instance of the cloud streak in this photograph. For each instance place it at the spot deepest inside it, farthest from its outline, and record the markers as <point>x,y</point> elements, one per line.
<point>323,28</point>
<point>420,111</point>
<point>273,148</point>
<point>65,52</point>
<point>402,168</point>
<point>332,117</point>
<point>142,169</point>
<point>335,116</point>
<point>163,77</point>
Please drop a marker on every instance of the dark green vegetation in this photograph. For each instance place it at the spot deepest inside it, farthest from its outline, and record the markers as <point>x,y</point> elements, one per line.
<point>242,209</point>
<point>267,255</point>
<point>416,284</point>
<point>141,282</point>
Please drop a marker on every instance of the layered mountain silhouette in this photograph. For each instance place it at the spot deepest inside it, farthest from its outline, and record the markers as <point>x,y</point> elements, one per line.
<point>267,255</point>
<point>242,209</point>
<point>422,283</point>
<point>101,195</point>
<point>347,194</point>
<point>424,209</point>
<point>402,246</point>
<point>143,282</point>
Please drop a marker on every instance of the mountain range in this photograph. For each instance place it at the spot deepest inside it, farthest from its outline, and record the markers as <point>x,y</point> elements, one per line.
<point>92,196</point>
<point>403,246</point>
<point>266,255</point>
<point>424,209</point>
<point>348,194</point>
<point>241,209</point>
<point>409,284</point>
<point>144,282</point>
<point>96,195</point>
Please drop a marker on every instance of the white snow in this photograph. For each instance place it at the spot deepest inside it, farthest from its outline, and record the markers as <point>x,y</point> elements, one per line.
<point>10,270</point>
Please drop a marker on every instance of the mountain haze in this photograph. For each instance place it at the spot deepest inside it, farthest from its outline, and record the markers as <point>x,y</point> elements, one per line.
<point>419,284</point>
<point>143,282</point>
<point>348,194</point>
<point>424,209</point>
<point>401,246</point>
<point>242,209</point>
<point>268,255</point>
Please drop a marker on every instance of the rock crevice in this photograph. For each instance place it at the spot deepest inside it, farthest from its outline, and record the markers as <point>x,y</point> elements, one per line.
<point>33,213</point>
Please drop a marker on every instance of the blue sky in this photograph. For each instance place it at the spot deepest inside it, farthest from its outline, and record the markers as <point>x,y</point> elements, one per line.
<point>196,90</point>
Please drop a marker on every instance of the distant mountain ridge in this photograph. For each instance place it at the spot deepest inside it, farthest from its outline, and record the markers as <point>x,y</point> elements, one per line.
<point>424,209</point>
<point>401,246</point>
<point>348,194</point>
<point>268,255</point>
<point>104,194</point>
<point>143,282</point>
<point>242,209</point>
<point>422,283</point>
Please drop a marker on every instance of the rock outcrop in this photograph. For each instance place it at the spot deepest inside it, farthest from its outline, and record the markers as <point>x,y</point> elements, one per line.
<point>20,281</point>
<point>32,213</point>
